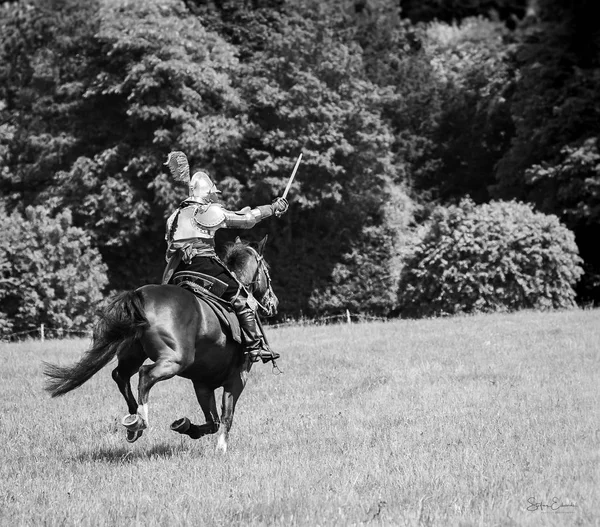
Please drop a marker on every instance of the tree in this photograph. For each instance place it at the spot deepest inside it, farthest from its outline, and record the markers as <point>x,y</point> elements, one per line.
<point>555,102</point>
<point>473,127</point>
<point>44,52</point>
<point>571,187</point>
<point>120,90</point>
<point>509,11</point>
<point>306,92</point>
<point>50,273</point>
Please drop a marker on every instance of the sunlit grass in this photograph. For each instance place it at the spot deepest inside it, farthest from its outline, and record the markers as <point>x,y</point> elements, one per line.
<point>437,422</point>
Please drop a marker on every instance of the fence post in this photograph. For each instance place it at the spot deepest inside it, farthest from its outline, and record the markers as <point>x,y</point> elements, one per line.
<point>42,332</point>
<point>348,318</point>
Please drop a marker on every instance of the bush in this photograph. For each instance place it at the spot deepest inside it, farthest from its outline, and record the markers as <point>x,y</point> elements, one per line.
<point>500,256</point>
<point>49,273</point>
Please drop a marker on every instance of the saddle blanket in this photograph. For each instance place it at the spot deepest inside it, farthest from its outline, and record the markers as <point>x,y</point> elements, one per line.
<point>225,314</point>
<point>221,307</point>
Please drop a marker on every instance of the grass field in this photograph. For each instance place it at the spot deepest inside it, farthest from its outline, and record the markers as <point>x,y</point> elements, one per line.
<point>462,421</point>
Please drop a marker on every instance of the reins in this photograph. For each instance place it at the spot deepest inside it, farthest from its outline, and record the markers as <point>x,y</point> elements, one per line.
<point>261,264</point>
<point>269,294</point>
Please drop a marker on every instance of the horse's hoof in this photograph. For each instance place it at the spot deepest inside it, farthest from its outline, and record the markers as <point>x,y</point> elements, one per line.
<point>133,435</point>
<point>181,425</point>
<point>133,422</point>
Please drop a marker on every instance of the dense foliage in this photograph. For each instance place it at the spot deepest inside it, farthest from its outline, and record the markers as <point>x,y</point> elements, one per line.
<point>51,274</point>
<point>571,186</point>
<point>396,108</point>
<point>500,256</point>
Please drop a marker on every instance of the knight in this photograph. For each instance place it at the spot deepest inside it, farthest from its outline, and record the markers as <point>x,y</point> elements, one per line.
<point>190,237</point>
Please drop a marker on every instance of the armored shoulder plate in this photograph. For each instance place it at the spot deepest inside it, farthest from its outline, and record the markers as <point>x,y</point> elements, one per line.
<point>210,216</point>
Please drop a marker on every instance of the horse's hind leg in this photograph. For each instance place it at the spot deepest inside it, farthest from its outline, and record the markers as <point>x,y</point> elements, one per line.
<point>128,365</point>
<point>206,399</point>
<point>164,368</point>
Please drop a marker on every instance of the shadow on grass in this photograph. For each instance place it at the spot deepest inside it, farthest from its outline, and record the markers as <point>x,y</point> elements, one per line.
<point>124,455</point>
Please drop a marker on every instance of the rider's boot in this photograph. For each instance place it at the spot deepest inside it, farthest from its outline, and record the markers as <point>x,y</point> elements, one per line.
<point>255,344</point>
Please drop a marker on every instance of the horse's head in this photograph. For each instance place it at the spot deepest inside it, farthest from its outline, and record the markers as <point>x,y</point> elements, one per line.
<point>252,271</point>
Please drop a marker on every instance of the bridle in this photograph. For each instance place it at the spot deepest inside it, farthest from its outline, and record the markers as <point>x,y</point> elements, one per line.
<point>269,300</point>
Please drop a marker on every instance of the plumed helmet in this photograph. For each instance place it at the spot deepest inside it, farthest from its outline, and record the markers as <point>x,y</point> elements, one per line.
<point>201,187</point>
<point>200,184</point>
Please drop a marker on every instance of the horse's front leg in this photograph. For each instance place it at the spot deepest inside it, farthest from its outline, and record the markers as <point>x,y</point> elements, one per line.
<point>232,390</point>
<point>206,399</point>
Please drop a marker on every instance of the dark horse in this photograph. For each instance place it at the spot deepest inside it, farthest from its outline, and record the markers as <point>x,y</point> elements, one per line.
<point>182,336</point>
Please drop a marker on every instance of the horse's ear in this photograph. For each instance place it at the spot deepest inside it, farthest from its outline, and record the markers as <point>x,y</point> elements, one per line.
<point>262,243</point>
<point>238,239</point>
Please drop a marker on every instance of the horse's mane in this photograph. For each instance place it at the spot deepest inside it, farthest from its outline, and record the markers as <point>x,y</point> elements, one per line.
<point>235,256</point>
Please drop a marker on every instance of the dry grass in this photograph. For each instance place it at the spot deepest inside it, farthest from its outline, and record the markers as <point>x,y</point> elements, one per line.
<point>437,422</point>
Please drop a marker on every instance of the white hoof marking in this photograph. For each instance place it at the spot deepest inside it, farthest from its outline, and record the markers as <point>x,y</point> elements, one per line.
<point>222,444</point>
<point>143,413</point>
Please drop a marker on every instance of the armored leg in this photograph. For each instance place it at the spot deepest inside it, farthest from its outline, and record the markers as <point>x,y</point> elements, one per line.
<point>255,344</point>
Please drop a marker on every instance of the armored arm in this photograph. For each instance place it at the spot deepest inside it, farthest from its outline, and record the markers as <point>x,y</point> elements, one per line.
<point>247,218</point>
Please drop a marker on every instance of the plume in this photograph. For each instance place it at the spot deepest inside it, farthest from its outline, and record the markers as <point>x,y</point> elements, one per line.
<point>178,165</point>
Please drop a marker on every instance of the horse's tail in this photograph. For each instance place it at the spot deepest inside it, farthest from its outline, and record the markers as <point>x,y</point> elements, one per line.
<point>121,324</point>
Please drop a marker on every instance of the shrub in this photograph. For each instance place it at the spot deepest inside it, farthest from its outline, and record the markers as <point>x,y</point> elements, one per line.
<point>49,272</point>
<point>501,256</point>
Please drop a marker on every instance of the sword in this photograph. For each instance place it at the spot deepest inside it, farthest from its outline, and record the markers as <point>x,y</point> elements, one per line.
<point>289,183</point>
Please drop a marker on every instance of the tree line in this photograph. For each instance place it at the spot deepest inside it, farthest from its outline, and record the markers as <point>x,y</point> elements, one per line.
<point>399,109</point>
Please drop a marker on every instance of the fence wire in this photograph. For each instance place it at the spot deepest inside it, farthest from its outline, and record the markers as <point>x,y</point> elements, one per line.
<point>44,334</point>
<point>49,333</point>
<point>323,321</point>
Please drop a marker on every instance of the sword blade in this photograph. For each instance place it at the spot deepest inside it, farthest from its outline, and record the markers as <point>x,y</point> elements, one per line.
<point>289,184</point>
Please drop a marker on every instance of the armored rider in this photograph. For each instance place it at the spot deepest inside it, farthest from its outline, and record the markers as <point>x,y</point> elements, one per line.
<point>190,236</point>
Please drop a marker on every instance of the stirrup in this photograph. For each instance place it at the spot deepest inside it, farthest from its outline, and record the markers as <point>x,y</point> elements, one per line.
<point>263,355</point>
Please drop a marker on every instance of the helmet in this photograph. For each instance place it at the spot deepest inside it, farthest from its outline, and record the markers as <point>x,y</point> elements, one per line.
<point>201,187</point>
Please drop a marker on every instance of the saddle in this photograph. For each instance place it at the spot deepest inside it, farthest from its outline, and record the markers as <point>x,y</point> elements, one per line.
<point>209,290</point>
